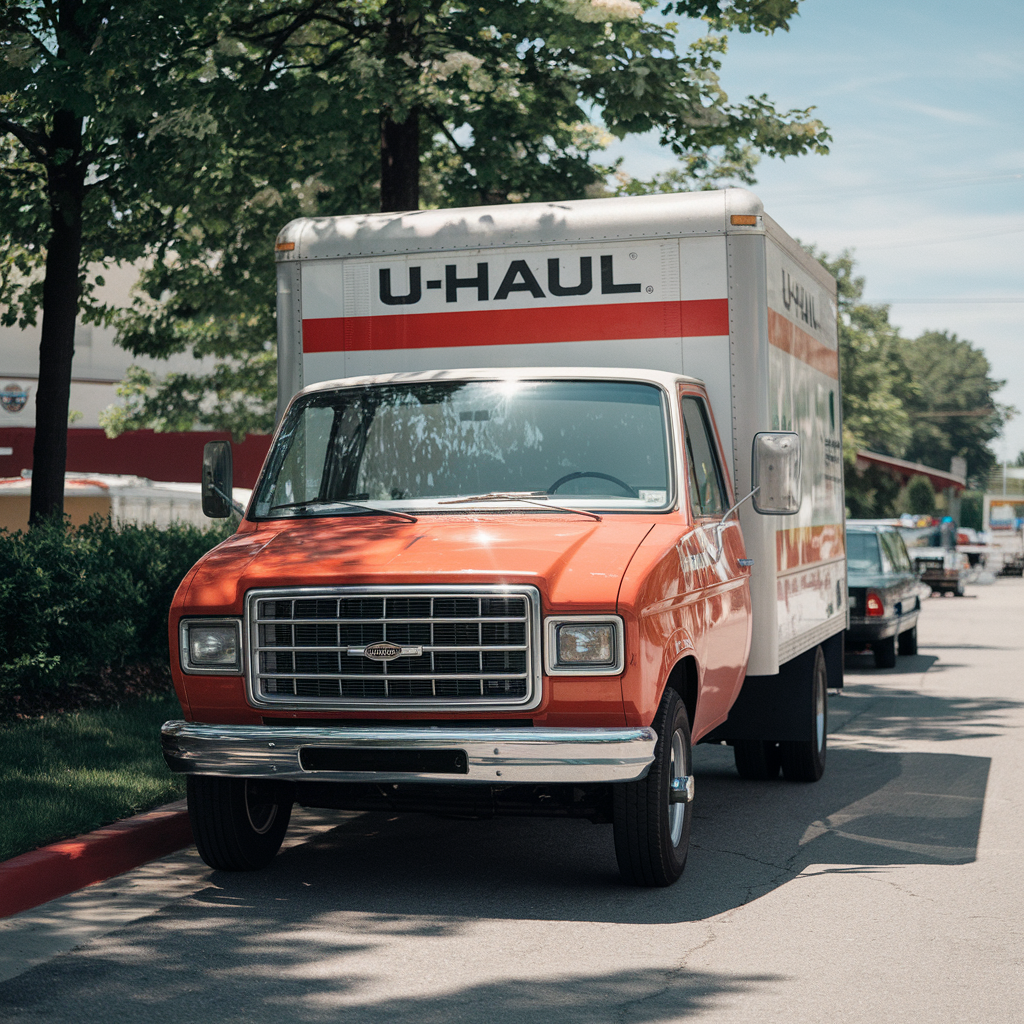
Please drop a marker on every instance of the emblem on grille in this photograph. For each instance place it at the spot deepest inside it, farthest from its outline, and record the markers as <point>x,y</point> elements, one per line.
<point>385,651</point>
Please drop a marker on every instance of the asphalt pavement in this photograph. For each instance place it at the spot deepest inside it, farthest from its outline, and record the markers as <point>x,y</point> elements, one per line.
<point>889,891</point>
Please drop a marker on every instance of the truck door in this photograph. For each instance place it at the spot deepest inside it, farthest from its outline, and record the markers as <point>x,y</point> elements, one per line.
<point>726,596</point>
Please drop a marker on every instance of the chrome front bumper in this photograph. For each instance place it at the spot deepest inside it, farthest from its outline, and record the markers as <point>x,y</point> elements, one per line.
<point>497,756</point>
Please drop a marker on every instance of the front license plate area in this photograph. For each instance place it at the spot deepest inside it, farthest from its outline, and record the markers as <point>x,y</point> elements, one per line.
<point>363,759</point>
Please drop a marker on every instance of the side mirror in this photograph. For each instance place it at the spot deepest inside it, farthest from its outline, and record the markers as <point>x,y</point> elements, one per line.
<point>217,478</point>
<point>775,473</point>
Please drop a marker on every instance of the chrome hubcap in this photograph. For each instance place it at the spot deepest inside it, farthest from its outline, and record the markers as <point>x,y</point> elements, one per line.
<point>819,710</point>
<point>261,815</point>
<point>677,768</point>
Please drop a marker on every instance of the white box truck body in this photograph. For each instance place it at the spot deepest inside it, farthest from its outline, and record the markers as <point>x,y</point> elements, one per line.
<point>702,284</point>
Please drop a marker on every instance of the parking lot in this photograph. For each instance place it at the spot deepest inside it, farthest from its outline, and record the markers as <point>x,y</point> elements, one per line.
<point>888,891</point>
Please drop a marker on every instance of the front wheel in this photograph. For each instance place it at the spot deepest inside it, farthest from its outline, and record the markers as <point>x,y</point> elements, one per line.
<point>238,824</point>
<point>652,830</point>
<point>804,760</point>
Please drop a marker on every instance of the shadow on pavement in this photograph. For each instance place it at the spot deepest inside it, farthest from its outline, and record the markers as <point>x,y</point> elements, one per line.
<point>906,664</point>
<point>312,934</point>
<point>262,981</point>
<point>310,938</point>
<point>880,711</point>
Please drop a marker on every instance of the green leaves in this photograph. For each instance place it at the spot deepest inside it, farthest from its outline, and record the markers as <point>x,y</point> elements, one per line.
<point>952,410</point>
<point>206,127</point>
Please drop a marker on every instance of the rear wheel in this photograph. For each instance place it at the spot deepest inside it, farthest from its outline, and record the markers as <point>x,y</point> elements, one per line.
<point>804,760</point>
<point>885,652</point>
<point>652,832</point>
<point>757,759</point>
<point>908,641</point>
<point>238,824</point>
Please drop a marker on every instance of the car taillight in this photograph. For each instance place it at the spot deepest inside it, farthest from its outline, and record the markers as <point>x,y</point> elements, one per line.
<point>874,604</point>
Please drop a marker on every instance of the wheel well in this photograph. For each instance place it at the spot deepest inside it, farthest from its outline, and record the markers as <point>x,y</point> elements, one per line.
<point>683,679</point>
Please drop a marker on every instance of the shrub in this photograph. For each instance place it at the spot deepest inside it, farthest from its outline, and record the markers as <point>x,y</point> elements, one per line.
<point>87,606</point>
<point>918,497</point>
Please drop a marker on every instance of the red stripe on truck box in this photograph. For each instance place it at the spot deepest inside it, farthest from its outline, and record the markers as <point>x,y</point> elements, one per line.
<point>696,318</point>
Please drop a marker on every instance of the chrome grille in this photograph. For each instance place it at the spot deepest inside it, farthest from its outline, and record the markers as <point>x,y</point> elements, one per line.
<point>477,647</point>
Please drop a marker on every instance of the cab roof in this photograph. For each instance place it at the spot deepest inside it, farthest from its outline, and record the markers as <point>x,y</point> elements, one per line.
<point>661,378</point>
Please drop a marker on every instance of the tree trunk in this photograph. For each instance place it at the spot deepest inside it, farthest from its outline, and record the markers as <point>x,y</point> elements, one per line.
<point>400,163</point>
<point>60,309</point>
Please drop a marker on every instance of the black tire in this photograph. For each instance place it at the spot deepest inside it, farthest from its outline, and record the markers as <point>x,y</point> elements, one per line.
<point>804,760</point>
<point>757,759</point>
<point>885,652</point>
<point>652,836</point>
<point>238,824</point>
<point>908,641</point>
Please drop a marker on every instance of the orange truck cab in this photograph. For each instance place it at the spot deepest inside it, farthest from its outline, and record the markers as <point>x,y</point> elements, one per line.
<point>530,586</point>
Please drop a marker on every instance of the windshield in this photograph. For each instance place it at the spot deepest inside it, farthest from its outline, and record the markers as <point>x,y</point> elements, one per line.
<point>588,444</point>
<point>862,552</point>
<point>922,536</point>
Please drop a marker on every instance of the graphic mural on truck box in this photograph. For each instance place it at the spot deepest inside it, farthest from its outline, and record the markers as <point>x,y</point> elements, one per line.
<point>804,396</point>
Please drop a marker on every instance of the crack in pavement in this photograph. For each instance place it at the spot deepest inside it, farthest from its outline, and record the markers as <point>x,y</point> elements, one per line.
<point>670,974</point>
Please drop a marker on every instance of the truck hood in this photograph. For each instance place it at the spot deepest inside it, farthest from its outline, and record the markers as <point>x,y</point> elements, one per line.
<point>576,562</point>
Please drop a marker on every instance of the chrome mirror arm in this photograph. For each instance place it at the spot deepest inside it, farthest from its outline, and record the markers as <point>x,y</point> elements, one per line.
<point>231,501</point>
<point>746,497</point>
<point>721,523</point>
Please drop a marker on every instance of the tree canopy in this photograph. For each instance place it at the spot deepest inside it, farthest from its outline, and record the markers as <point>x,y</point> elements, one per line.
<point>952,410</point>
<point>97,105</point>
<point>344,107</point>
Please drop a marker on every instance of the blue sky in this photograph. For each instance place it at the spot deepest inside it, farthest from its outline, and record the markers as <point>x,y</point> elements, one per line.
<point>925,181</point>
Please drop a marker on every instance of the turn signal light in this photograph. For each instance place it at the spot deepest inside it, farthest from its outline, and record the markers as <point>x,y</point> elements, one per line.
<point>744,219</point>
<point>874,604</point>
<point>284,247</point>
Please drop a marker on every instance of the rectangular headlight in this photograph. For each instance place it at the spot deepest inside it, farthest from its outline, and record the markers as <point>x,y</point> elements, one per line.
<point>584,645</point>
<point>211,646</point>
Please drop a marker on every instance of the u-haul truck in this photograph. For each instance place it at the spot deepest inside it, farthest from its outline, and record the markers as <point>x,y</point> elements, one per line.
<point>556,492</point>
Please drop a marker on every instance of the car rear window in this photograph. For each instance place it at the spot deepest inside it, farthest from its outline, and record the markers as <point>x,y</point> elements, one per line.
<point>862,552</point>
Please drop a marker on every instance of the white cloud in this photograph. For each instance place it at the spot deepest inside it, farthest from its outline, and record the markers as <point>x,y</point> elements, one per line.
<point>946,114</point>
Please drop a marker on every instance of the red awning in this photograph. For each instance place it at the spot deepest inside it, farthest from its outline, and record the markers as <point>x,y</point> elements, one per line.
<point>903,470</point>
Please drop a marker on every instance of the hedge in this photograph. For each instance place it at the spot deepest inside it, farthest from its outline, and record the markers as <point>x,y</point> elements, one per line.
<point>85,611</point>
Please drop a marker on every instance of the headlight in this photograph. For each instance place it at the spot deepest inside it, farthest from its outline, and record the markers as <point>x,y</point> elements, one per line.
<point>211,646</point>
<point>589,645</point>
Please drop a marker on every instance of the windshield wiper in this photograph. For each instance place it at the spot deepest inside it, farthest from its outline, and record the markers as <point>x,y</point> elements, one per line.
<point>530,497</point>
<point>321,502</point>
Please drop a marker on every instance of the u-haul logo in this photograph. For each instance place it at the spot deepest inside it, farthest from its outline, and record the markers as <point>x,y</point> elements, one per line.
<point>610,291</point>
<point>797,300</point>
<point>519,277</point>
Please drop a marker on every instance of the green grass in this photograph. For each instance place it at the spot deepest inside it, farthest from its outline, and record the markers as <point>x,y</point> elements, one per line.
<point>66,774</point>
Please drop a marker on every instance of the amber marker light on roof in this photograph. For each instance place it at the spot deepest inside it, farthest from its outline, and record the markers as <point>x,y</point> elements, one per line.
<point>284,246</point>
<point>743,218</point>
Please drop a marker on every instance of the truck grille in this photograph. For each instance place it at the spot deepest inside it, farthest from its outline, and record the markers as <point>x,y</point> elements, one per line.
<point>461,647</point>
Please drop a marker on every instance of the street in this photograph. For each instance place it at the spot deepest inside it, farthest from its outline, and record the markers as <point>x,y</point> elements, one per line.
<point>889,891</point>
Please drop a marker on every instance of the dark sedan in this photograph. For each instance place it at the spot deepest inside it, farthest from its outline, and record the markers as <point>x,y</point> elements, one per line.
<point>885,592</point>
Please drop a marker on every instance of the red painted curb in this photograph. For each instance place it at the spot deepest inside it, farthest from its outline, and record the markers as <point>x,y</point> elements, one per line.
<point>52,871</point>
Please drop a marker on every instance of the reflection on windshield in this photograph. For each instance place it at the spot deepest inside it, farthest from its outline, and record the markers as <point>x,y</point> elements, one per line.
<point>584,443</point>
